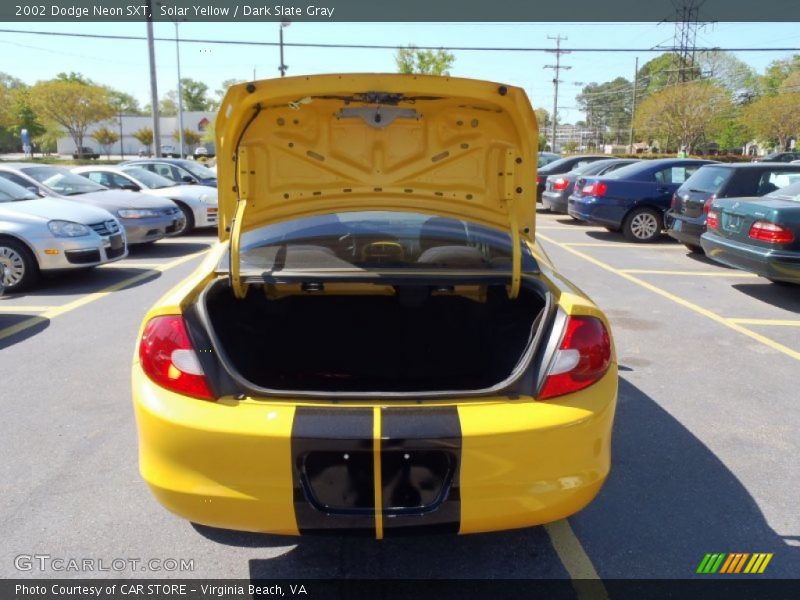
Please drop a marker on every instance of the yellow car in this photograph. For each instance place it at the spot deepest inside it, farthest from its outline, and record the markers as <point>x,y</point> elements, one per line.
<point>376,344</point>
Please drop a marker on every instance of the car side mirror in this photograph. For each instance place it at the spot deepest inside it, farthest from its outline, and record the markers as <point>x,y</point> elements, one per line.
<point>132,187</point>
<point>33,189</point>
<point>188,179</point>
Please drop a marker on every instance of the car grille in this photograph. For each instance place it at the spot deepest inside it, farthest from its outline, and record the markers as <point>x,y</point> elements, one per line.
<point>105,227</point>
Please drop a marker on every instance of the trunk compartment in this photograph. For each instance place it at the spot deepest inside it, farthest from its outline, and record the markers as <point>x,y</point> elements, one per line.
<point>388,339</point>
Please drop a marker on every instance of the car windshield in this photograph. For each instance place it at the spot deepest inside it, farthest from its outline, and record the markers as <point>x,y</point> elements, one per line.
<point>790,192</point>
<point>378,240</point>
<point>148,178</point>
<point>11,192</point>
<point>198,170</point>
<point>708,179</point>
<point>62,181</point>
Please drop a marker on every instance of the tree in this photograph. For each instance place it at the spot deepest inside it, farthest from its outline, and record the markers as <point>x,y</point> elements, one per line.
<point>47,140</point>
<point>106,138</point>
<point>542,118</point>
<point>72,105</point>
<point>124,103</point>
<point>570,146</point>
<point>608,107</point>
<point>427,62</point>
<point>777,72</point>
<point>194,94</point>
<point>725,70</point>
<point>145,137</point>
<point>684,114</point>
<point>23,115</point>
<point>655,75</point>
<point>209,134</point>
<point>774,119</point>
<point>190,138</point>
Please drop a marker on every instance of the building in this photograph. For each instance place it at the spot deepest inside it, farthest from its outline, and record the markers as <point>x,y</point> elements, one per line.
<point>127,124</point>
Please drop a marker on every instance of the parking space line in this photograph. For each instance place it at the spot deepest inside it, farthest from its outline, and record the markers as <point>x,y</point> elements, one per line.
<point>690,273</point>
<point>678,300</point>
<point>776,322</point>
<point>585,580</point>
<point>19,309</point>
<point>131,265</point>
<point>619,245</point>
<point>56,311</point>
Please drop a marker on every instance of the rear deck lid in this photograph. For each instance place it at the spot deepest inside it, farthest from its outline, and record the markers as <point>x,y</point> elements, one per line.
<point>302,146</point>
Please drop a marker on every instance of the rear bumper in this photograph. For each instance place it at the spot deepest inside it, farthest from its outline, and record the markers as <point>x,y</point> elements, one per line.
<point>684,229</point>
<point>286,468</point>
<point>555,201</point>
<point>766,262</point>
<point>594,210</point>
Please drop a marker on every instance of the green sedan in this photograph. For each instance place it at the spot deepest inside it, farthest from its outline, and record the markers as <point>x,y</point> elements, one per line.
<point>760,235</point>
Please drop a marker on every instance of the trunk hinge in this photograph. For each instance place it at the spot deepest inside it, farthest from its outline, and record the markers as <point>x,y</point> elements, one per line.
<point>509,196</point>
<point>243,189</point>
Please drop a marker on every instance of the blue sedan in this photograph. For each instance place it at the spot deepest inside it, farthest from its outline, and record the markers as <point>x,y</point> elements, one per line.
<point>632,199</point>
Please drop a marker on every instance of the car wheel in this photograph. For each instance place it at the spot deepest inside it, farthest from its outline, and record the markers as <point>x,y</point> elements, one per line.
<point>694,248</point>
<point>19,265</point>
<point>642,225</point>
<point>189,216</point>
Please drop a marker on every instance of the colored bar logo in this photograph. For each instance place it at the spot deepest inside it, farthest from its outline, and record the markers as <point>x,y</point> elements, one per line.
<point>734,563</point>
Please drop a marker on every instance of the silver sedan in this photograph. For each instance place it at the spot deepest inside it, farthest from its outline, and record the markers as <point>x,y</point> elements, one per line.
<point>145,218</point>
<point>40,235</point>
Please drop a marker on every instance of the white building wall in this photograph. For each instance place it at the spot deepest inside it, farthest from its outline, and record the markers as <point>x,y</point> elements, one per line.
<point>129,145</point>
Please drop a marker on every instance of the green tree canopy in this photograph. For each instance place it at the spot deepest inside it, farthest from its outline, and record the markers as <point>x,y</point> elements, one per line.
<point>72,105</point>
<point>774,119</point>
<point>427,62</point>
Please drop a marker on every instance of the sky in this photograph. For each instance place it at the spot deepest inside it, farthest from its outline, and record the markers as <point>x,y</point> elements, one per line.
<point>124,64</point>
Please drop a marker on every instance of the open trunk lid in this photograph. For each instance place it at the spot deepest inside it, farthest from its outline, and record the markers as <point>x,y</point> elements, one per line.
<point>303,146</point>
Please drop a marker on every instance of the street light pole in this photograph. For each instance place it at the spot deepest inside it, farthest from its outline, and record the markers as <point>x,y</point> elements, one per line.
<point>121,147</point>
<point>153,85</point>
<point>180,94</point>
<point>282,68</point>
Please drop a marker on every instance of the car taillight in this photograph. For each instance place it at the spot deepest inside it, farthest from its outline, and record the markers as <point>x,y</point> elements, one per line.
<point>560,184</point>
<point>168,358</point>
<point>582,359</point>
<point>770,232</point>
<point>595,189</point>
<point>676,201</point>
<point>709,201</point>
<point>539,180</point>
<point>712,219</point>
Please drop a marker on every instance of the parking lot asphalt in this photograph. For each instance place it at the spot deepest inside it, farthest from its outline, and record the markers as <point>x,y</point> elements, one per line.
<point>704,455</point>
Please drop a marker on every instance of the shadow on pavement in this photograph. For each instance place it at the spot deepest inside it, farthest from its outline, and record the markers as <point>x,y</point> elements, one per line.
<point>670,500</point>
<point>8,320</point>
<point>702,258</point>
<point>79,283</point>
<point>786,297</point>
<point>166,250</point>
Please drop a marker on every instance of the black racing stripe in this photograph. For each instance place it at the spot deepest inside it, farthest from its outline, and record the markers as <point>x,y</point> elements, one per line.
<point>333,469</point>
<point>420,463</point>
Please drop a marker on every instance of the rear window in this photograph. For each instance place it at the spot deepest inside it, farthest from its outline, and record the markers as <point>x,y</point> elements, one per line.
<point>790,192</point>
<point>378,240</point>
<point>708,179</point>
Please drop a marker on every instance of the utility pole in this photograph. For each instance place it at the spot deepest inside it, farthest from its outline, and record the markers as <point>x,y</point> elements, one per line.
<point>153,85</point>
<point>633,104</point>
<point>556,72</point>
<point>180,92</point>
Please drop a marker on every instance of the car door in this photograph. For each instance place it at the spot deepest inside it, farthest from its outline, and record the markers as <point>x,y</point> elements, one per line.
<point>667,182</point>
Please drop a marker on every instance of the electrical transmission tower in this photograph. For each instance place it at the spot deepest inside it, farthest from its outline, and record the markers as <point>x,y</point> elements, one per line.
<point>556,72</point>
<point>685,40</point>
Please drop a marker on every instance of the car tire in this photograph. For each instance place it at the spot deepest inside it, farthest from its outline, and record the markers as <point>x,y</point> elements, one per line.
<point>642,225</point>
<point>694,248</point>
<point>21,268</point>
<point>189,216</point>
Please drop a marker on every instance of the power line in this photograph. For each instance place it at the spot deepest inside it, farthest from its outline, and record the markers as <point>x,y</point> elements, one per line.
<point>556,72</point>
<point>659,49</point>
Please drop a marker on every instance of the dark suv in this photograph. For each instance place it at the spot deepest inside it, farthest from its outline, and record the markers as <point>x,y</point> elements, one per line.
<point>686,219</point>
<point>784,157</point>
<point>85,152</point>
